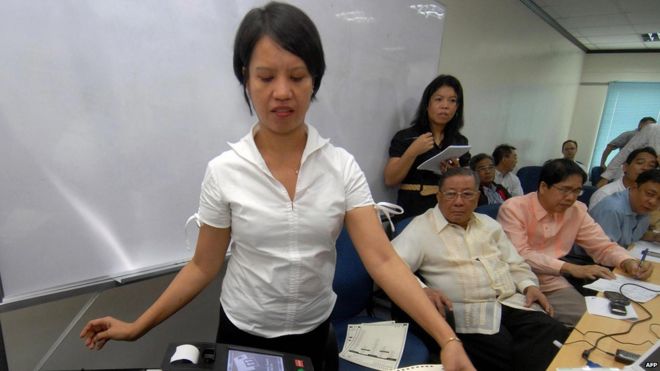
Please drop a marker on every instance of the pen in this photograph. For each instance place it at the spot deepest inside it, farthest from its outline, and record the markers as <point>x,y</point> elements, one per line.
<point>644,253</point>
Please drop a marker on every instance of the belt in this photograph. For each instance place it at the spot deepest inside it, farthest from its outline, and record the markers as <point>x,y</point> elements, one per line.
<point>423,189</point>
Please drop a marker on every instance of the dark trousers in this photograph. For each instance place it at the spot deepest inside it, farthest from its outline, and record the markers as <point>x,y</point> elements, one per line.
<point>524,342</point>
<point>316,344</point>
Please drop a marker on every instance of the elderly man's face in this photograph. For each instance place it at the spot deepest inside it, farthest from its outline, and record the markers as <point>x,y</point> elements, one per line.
<point>458,198</point>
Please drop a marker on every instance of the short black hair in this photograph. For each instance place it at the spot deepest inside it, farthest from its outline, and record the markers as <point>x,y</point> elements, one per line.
<point>454,126</point>
<point>458,171</point>
<point>569,141</point>
<point>557,170</point>
<point>478,158</point>
<point>290,28</point>
<point>652,175</point>
<point>633,154</point>
<point>646,119</point>
<point>502,151</point>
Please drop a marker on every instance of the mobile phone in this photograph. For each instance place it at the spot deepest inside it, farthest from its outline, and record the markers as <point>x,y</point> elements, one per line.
<point>618,308</point>
<point>616,297</point>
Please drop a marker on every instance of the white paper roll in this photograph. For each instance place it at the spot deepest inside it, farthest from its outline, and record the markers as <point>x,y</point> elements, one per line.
<point>185,352</point>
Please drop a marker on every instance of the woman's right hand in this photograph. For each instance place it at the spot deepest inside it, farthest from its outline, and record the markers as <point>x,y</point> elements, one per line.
<point>98,331</point>
<point>422,144</point>
<point>454,358</point>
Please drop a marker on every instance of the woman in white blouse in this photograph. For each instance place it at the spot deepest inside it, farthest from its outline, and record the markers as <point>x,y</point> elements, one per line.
<point>282,194</point>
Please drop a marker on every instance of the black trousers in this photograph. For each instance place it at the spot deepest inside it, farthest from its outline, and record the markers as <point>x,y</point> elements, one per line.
<point>524,342</point>
<point>316,344</point>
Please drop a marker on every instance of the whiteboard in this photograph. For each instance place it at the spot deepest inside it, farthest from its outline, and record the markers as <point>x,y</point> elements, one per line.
<point>110,111</point>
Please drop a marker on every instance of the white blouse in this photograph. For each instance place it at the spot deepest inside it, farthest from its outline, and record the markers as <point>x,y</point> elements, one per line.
<point>279,278</point>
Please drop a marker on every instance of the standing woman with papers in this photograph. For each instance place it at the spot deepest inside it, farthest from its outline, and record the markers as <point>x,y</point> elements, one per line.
<point>436,126</point>
<point>282,194</point>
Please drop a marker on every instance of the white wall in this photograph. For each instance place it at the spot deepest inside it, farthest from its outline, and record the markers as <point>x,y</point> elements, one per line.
<point>520,77</point>
<point>598,70</point>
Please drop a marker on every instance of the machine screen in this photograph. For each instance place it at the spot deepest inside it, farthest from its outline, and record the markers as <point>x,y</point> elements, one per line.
<point>239,360</point>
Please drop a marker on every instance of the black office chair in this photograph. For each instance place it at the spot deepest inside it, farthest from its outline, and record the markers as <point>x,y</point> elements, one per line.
<point>354,289</point>
<point>529,178</point>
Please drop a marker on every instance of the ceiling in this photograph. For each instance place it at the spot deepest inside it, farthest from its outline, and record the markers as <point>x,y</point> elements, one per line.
<point>598,26</point>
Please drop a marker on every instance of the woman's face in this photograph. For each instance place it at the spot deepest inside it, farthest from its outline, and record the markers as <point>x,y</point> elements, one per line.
<point>280,87</point>
<point>442,106</point>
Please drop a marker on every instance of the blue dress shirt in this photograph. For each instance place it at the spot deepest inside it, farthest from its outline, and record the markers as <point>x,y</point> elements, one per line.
<point>621,224</point>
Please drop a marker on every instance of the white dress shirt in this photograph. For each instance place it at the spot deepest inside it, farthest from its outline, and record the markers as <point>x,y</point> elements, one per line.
<point>606,190</point>
<point>510,181</point>
<point>478,268</point>
<point>649,136</point>
<point>279,278</point>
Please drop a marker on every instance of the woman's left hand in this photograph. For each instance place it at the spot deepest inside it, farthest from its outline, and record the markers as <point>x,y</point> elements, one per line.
<point>448,164</point>
<point>640,271</point>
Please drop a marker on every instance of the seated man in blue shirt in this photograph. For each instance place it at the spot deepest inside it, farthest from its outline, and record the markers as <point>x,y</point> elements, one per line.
<point>624,216</point>
<point>472,267</point>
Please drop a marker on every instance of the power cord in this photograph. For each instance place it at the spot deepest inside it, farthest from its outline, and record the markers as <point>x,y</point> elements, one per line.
<point>594,346</point>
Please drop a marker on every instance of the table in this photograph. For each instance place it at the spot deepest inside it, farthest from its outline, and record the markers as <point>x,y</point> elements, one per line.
<point>570,355</point>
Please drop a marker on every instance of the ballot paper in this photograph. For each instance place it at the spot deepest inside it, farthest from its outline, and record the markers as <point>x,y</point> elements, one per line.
<point>451,152</point>
<point>424,367</point>
<point>375,345</point>
<point>633,292</point>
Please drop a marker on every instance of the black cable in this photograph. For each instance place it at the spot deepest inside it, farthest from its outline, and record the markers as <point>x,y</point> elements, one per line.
<point>587,352</point>
<point>586,341</point>
<point>617,340</point>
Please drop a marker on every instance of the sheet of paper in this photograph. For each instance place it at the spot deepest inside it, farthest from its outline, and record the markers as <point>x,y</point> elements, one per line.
<point>378,346</point>
<point>633,292</point>
<point>654,251</point>
<point>424,367</point>
<point>601,307</point>
<point>354,329</point>
<point>451,152</point>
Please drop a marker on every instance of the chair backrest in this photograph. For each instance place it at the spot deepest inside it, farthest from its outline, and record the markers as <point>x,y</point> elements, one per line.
<point>587,192</point>
<point>401,225</point>
<point>489,209</point>
<point>352,283</point>
<point>594,174</point>
<point>529,178</point>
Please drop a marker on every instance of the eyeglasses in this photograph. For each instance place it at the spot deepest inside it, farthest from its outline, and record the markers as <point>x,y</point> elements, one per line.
<point>566,191</point>
<point>486,168</point>
<point>452,195</point>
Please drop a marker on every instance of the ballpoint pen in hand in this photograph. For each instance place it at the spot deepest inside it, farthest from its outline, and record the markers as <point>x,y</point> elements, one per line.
<point>644,253</point>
